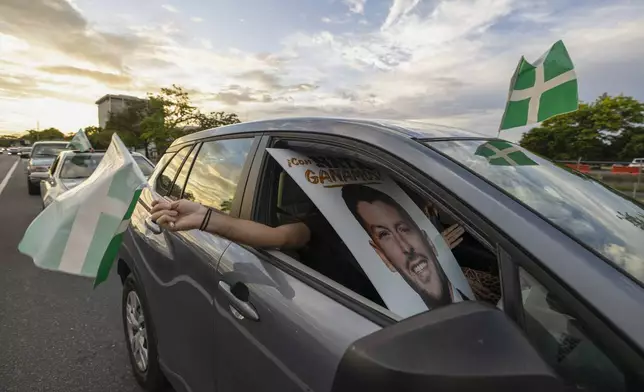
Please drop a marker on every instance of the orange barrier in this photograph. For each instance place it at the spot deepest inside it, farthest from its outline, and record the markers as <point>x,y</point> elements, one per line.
<point>582,167</point>
<point>625,169</point>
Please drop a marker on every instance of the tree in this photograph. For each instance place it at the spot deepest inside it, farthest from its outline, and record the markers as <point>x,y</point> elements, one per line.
<point>127,123</point>
<point>215,119</point>
<point>610,128</point>
<point>171,115</point>
<point>46,134</point>
<point>8,140</point>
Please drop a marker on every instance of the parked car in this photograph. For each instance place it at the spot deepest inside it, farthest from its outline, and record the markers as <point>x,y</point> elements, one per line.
<point>637,162</point>
<point>2,150</point>
<point>13,150</point>
<point>566,252</point>
<point>42,156</point>
<point>70,168</point>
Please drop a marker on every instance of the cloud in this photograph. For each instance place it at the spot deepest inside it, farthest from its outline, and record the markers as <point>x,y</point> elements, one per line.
<point>399,8</point>
<point>196,19</point>
<point>170,8</point>
<point>356,6</point>
<point>56,25</point>
<point>108,79</point>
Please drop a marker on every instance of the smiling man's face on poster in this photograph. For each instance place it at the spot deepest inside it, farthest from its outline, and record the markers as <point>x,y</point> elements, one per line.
<point>399,242</point>
<point>395,244</point>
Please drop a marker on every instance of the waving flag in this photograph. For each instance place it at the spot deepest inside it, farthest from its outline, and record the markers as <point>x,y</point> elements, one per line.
<point>81,231</point>
<point>80,142</point>
<point>500,153</point>
<point>541,90</point>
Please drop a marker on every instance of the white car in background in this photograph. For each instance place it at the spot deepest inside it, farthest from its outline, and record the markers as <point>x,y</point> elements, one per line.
<point>70,168</point>
<point>637,162</point>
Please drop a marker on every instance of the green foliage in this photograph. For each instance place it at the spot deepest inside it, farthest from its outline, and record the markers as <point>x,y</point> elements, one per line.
<point>611,128</point>
<point>8,140</point>
<point>46,134</point>
<point>216,119</point>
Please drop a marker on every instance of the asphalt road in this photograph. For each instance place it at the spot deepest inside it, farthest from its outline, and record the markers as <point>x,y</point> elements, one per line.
<point>56,332</point>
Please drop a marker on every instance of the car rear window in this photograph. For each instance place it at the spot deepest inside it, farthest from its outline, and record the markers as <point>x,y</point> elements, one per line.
<point>604,220</point>
<point>144,165</point>
<point>80,166</point>
<point>50,150</point>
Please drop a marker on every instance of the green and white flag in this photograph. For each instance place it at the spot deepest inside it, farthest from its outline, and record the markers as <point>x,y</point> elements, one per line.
<point>81,231</point>
<point>500,153</point>
<point>80,142</point>
<point>541,90</point>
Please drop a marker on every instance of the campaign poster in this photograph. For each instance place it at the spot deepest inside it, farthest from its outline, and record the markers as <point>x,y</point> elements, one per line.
<point>400,250</point>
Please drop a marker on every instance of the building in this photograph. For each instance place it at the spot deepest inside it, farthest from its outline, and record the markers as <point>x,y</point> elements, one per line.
<point>111,103</point>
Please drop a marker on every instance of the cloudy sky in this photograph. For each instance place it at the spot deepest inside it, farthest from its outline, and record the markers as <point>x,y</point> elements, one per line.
<point>444,61</point>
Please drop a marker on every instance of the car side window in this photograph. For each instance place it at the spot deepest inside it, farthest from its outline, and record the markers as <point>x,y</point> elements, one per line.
<point>216,172</point>
<point>164,181</point>
<point>52,169</point>
<point>560,339</point>
<point>180,182</point>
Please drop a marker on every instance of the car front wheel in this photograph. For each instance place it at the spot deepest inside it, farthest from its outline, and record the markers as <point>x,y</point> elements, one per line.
<point>140,338</point>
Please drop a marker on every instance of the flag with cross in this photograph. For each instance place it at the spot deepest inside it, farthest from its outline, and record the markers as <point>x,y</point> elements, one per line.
<point>81,231</point>
<point>80,142</point>
<point>541,90</point>
<point>501,153</point>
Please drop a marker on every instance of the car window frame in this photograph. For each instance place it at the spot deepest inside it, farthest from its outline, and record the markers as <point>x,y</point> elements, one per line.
<point>174,154</point>
<point>196,148</point>
<point>243,177</point>
<point>601,332</point>
<point>54,166</point>
<point>414,180</point>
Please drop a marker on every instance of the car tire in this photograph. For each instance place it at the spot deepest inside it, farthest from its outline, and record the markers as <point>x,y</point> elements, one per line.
<point>140,335</point>
<point>32,189</point>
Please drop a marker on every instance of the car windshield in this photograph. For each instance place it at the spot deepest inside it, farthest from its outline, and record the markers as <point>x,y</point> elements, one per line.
<point>144,165</point>
<point>604,220</point>
<point>79,166</point>
<point>48,150</point>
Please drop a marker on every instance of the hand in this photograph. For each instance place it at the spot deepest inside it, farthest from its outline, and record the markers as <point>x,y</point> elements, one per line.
<point>177,215</point>
<point>453,235</point>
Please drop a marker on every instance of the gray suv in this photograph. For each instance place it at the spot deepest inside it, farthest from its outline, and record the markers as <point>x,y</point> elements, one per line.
<point>41,158</point>
<point>555,261</point>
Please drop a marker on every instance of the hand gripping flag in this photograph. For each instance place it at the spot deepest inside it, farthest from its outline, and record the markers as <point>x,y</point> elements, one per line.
<point>541,90</point>
<point>81,231</point>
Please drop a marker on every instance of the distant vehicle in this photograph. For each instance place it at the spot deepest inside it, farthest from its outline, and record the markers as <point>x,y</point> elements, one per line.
<point>2,150</point>
<point>637,162</point>
<point>13,150</point>
<point>42,156</point>
<point>71,168</point>
<point>25,152</point>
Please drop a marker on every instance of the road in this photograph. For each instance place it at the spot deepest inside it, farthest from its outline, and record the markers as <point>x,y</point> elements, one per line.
<point>56,332</point>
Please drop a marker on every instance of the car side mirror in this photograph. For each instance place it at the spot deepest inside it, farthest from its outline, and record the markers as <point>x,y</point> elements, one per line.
<point>462,347</point>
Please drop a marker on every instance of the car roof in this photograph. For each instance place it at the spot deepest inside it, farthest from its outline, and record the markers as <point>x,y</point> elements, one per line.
<point>341,126</point>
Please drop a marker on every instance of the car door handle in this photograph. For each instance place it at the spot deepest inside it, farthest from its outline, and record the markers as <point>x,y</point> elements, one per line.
<point>154,228</point>
<point>238,298</point>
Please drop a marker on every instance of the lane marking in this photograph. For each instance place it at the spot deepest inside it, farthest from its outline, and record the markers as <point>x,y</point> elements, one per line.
<point>8,176</point>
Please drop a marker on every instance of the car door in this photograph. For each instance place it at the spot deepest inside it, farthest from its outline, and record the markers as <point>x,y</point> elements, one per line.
<point>178,269</point>
<point>282,326</point>
<point>159,256</point>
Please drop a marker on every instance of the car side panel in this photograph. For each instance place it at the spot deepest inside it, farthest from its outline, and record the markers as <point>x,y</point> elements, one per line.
<point>299,339</point>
